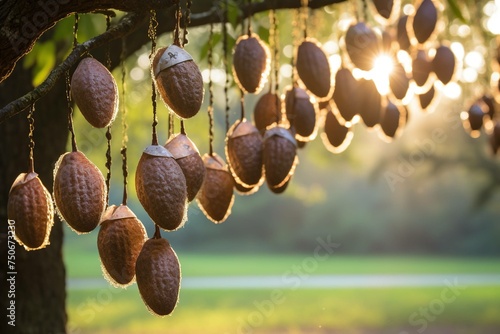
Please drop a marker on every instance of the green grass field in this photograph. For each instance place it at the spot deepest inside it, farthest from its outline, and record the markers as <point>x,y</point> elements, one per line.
<point>367,310</point>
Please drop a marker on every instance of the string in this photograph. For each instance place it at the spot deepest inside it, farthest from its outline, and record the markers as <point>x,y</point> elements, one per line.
<point>178,15</point>
<point>31,144</point>
<point>249,32</point>
<point>74,148</point>
<point>123,150</point>
<point>365,10</point>
<point>183,130</point>
<point>274,39</point>
<point>108,131</point>
<point>153,24</point>
<point>210,93</point>
<point>295,25</point>
<point>187,21</point>
<point>226,63</point>
<point>242,101</point>
<point>304,14</point>
<point>170,124</point>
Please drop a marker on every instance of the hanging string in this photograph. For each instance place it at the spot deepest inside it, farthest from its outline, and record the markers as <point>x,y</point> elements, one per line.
<point>249,32</point>
<point>295,28</point>
<point>183,130</point>
<point>187,21</point>
<point>210,92</point>
<point>365,10</point>
<point>153,24</point>
<point>123,150</point>
<point>170,124</point>
<point>74,148</point>
<point>108,131</point>
<point>304,15</point>
<point>31,143</point>
<point>178,15</point>
<point>226,63</point>
<point>242,102</point>
<point>274,41</point>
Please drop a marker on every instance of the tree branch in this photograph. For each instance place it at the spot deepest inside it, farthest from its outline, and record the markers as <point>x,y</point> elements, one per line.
<point>133,26</point>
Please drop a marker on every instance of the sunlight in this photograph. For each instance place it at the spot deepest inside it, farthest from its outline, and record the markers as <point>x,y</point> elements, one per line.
<point>382,68</point>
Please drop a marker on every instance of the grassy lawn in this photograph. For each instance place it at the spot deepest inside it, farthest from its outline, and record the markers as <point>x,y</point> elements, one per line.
<point>474,310</point>
<point>82,264</point>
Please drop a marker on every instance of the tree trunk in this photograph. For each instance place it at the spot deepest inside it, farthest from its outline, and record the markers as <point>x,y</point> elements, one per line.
<point>40,280</point>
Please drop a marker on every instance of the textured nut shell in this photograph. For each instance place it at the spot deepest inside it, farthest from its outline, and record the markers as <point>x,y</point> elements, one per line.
<point>421,68</point>
<point>424,21</point>
<point>79,191</point>
<point>119,243</point>
<point>443,64</point>
<point>384,7</point>
<point>30,206</point>
<point>426,98</point>
<point>391,120</point>
<point>301,113</point>
<point>158,274</point>
<point>362,45</point>
<point>370,102</point>
<point>180,86</point>
<point>280,159</point>
<point>399,81</point>
<point>216,197</point>
<point>475,117</point>
<point>251,63</point>
<point>187,156</point>
<point>402,33</point>
<point>244,153</point>
<point>95,92</point>
<point>161,189</point>
<point>267,111</point>
<point>313,68</point>
<point>336,134</point>
<point>345,89</point>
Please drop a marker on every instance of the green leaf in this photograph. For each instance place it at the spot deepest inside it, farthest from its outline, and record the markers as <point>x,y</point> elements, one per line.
<point>46,60</point>
<point>233,13</point>
<point>455,9</point>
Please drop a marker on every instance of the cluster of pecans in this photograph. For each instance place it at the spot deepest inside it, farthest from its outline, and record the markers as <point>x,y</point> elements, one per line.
<point>170,176</point>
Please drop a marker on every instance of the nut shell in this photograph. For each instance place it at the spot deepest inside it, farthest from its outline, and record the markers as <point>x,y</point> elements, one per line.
<point>421,68</point>
<point>216,197</point>
<point>336,137</point>
<point>301,113</point>
<point>402,33</point>
<point>120,240</point>
<point>384,7</point>
<point>95,92</point>
<point>267,111</point>
<point>251,63</point>
<point>399,81</point>
<point>79,191</point>
<point>188,157</point>
<point>280,156</point>
<point>244,153</point>
<point>30,207</point>
<point>362,45</point>
<point>180,86</point>
<point>370,102</point>
<point>443,64</point>
<point>345,89</point>
<point>392,120</point>
<point>313,68</point>
<point>158,274</point>
<point>424,21</point>
<point>161,188</point>
<point>426,98</point>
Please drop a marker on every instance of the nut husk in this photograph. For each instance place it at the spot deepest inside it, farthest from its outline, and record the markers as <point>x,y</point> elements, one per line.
<point>301,113</point>
<point>424,21</point>
<point>216,197</point>
<point>188,157</point>
<point>158,275</point>
<point>336,136</point>
<point>370,102</point>
<point>251,63</point>
<point>392,120</point>
<point>161,188</point>
<point>79,191</point>
<point>180,85</point>
<point>421,68</point>
<point>280,156</point>
<point>362,45</point>
<point>95,92</point>
<point>345,88</point>
<point>267,111</point>
<point>244,153</point>
<point>426,98</point>
<point>313,68</point>
<point>399,81</point>
<point>402,33</point>
<point>120,240</point>
<point>443,64</point>
<point>384,7</point>
<point>30,207</point>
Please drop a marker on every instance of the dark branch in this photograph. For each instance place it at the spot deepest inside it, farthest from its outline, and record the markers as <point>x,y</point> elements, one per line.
<point>134,28</point>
